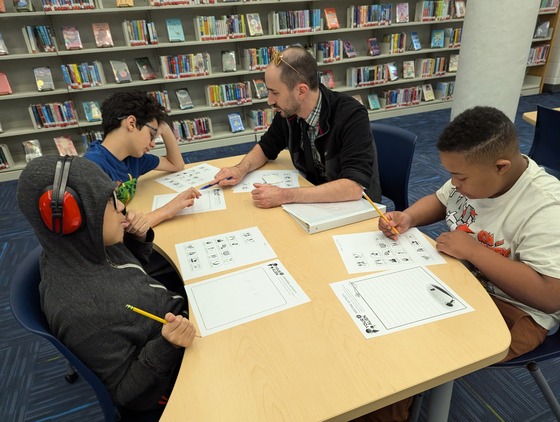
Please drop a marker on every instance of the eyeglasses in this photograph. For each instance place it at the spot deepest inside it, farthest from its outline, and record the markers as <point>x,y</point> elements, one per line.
<point>155,131</point>
<point>277,58</point>
<point>153,135</point>
<point>115,199</point>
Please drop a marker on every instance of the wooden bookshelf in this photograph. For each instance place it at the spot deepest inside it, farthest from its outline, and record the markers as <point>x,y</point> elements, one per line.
<point>18,65</point>
<point>535,74</point>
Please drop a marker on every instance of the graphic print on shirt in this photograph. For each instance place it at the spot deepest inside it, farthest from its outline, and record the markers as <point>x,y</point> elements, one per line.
<point>126,190</point>
<point>461,219</point>
<point>467,216</point>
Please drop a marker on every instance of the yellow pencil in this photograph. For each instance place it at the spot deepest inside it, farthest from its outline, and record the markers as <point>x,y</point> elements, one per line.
<point>380,213</point>
<point>146,314</point>
<point>149,315</point>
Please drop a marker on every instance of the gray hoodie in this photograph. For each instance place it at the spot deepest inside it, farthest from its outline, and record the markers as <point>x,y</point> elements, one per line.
<point>85,286</point>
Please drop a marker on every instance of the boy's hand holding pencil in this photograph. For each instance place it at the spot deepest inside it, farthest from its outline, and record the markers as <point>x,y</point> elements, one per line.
<point>383,217</point>
<point>394,221</point>
<point>177,330</point>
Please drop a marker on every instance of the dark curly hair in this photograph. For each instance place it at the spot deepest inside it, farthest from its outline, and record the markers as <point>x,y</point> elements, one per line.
<point>137,103</point>
<point>480,133</point>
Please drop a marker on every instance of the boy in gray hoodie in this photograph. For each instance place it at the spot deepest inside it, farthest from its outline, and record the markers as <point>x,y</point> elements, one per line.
<point>90,274</point>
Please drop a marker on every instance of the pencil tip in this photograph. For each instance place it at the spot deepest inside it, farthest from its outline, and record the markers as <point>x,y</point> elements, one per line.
<point>129,306</point>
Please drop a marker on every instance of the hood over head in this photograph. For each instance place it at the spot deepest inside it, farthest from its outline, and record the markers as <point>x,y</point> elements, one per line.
<point>77,251</point>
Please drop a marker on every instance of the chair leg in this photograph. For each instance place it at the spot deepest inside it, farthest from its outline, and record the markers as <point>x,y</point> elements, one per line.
<point>535,371</point>
<point>71,374</point>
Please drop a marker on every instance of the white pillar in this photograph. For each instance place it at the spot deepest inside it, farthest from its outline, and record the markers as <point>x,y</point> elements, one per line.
<point>495,45</point>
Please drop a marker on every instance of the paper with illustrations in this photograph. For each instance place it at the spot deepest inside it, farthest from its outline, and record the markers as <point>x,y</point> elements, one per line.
<point>222,252</point>
<point>391,301</point>
<point>373,251</point>
<point>280,178</point>
<point>196,177</point>
<point>236,298</point>
<point>210,200</point>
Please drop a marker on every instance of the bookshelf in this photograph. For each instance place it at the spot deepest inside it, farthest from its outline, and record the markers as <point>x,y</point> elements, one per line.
<point>535,74</point>
<point>19,63</point>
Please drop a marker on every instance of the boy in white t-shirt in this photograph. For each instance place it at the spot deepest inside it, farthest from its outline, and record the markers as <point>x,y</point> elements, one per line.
<point>502,211</point>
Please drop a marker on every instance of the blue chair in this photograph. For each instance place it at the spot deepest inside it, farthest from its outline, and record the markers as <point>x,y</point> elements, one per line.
<point>395,149</point>
<point>26,307</point>
<point>546,142</point>
<point>548,350</point>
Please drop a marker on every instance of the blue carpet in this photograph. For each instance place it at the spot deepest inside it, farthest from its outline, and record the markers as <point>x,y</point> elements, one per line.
<point>32,385</point>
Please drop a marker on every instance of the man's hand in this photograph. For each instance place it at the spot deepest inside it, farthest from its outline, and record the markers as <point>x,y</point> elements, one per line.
<point>268,196</point>
<point>178,331</point>
<point>228,176</point>
<point>137,224</point>
<point>399,220</point>
<point>457,244</point>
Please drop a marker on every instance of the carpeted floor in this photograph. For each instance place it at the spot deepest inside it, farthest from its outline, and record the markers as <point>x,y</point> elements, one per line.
<point>32,385</point>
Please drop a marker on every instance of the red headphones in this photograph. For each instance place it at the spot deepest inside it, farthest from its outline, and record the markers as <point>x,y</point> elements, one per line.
<point>59,205</point>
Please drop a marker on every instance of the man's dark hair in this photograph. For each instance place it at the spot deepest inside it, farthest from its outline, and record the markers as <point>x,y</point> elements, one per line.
<point>120,105</point>
<point>480,133</point>
<point>304,63</point>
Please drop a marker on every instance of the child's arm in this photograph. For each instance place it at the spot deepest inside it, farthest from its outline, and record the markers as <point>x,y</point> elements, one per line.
<point>426,210</point>
<point>181,201</point>
<point>515,278</point>
<point>173,160</point>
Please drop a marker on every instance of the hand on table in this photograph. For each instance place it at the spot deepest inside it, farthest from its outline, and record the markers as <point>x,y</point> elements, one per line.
<point>268,196</point>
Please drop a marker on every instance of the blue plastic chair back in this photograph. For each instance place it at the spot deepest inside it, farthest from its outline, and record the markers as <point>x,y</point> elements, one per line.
<point>26,307</point>
<point>546,142</point>
<point>395,149</point>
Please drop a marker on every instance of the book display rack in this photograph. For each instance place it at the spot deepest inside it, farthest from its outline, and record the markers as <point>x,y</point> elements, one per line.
<point>85,73</point>
<point>537,61</point>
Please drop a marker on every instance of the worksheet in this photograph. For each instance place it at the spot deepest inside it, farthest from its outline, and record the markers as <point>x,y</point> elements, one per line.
<point>196,176</point>
<point>210,200</point>
<point>373,251</point>
<point>226,251</point>
<point>280,178</point>
<point>236,298</point>
<point>391,301</point>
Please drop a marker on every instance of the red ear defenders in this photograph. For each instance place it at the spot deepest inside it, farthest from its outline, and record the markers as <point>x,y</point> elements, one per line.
<point>59,205</point>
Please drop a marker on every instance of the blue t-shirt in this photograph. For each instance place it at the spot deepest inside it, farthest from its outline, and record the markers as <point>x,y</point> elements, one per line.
<point>125,172</point>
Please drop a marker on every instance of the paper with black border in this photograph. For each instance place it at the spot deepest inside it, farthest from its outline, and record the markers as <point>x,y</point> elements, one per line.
<point>390,301</point>
<point>236,298</point>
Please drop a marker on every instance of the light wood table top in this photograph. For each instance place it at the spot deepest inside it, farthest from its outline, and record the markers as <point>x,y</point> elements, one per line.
<point>531,116</point>
<point>310,362</point>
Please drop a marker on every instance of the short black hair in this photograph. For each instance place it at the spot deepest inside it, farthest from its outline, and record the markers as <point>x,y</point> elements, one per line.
<point>480,133</point>
<point>305,64</point>
<point>136,103</point>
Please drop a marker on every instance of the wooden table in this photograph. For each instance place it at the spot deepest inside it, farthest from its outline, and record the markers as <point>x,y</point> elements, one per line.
<point>531,116</point>
<point>310,363</point>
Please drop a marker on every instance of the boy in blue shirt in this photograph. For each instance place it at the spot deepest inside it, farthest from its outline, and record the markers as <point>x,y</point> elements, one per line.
<point>131,123</point>
<point>502,212</point>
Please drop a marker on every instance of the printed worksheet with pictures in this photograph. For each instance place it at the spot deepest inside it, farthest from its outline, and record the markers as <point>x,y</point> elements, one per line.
<point>391,301</point>
<point>280,178</point>
<point>236,298</point>
<point>214,254</point>
<point>210,200</point>
<point>196,177</point>
<point>373,251</point>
